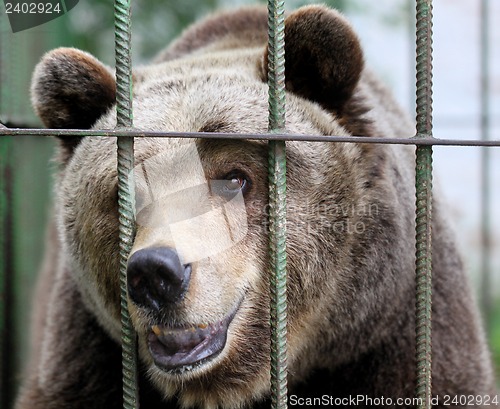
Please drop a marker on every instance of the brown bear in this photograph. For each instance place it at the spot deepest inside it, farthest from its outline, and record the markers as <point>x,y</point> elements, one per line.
<point>198,272</point>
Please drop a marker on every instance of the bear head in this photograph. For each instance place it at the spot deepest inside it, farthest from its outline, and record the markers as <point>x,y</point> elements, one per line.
<point>198,275</point>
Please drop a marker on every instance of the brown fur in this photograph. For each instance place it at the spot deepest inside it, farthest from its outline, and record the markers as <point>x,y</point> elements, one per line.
<point>325,77</point>
<point>350,223</point>
<point>72,91</point>
<point>236,29</point>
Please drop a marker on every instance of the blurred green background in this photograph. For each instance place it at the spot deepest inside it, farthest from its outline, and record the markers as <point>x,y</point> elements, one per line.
<point>25,163</point>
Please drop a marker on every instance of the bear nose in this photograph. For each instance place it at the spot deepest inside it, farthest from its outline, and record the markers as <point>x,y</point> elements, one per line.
<point>156,277</point>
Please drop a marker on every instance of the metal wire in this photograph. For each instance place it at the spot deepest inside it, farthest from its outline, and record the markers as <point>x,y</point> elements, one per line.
<point>262,137</point>
<point>126,202</point>
<point>423,184</point>
<point>277,204</point>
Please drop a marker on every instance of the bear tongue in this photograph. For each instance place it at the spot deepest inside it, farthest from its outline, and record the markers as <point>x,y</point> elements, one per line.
<point>177,349</point>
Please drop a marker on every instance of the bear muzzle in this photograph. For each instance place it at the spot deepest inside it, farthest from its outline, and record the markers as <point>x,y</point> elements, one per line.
<point>157,283</point>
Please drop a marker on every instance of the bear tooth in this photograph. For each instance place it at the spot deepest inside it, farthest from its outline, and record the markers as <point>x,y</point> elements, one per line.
<point>156,329</point>
<point>202,326</point>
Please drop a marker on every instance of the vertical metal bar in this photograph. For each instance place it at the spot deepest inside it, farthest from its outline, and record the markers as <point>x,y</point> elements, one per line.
<point>4,154</point>
<point>423,184</point>
<point>123,57</point>
<point>14,79</point>
<point>6,242</point>
<point>6,272</point>
<point>277,204</point>
<point>4,58</point>
<point>486,236</point>
<point>126,200</point>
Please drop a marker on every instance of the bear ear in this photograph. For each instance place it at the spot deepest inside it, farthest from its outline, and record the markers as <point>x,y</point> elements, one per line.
<point>323,57</point>
<point>71,89</point>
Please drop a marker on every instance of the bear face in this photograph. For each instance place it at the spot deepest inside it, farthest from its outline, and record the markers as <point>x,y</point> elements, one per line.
<point>198,273</point>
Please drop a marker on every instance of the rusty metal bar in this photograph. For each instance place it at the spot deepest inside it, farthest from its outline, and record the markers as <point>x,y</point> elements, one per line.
<point>277,204</point>
<point>6,272</point>
<point>423,185</point>
<point>126,200</point>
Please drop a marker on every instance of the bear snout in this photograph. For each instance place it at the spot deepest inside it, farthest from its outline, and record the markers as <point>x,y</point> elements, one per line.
<point>156,278</point>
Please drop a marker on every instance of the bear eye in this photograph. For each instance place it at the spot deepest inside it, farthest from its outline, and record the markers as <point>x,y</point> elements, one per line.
<point>236,181</point>
<point>231,184</point>
<point>234,184</point>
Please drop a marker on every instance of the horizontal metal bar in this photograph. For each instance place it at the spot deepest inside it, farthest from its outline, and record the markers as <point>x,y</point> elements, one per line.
<point>271,137</point>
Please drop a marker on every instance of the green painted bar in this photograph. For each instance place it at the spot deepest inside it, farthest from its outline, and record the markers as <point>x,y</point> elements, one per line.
<point>277,204</point>
<point>5,153</point>
<point>5,267</point>
<point>423,185</point>
<point>126,201</point>
<point>486,216</point>
<point>423,182</point>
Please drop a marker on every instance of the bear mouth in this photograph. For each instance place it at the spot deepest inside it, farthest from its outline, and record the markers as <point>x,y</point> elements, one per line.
<point>177,350</point>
